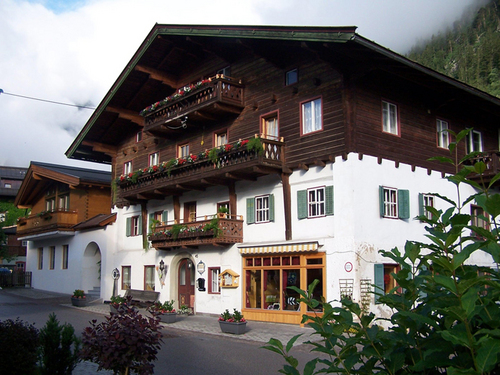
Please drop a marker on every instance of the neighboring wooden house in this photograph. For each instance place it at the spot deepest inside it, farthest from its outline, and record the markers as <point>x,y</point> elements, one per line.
<point>273,156</point>
<point>66,203</point>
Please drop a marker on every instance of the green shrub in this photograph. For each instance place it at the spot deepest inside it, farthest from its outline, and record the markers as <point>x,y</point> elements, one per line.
<point>446,313</point>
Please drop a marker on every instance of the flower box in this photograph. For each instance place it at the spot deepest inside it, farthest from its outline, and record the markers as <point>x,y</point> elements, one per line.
<point>168,317</point>
<point>236,328</point>
<point>78,302</point>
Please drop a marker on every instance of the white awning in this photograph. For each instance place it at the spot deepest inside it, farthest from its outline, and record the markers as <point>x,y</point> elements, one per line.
<point>274,249</point>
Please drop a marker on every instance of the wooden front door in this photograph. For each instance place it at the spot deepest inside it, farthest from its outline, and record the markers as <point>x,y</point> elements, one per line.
<point>186,283</point>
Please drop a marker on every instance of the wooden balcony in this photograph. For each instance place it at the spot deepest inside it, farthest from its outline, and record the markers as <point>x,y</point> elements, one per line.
<point>492,161</point>
<point>178,176</point>
<point>44,222</point>
<point>214,230</point>
<point>213,101</point>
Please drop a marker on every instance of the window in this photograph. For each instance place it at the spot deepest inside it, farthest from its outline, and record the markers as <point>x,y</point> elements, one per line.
<point>291,77</point>
<point>154,159</point>
<point>270,128</point>
<point>384,280</point>
<point>149,277</point>
<point>40,258</point>
<point>269,276</point>
<point>474,142</point>
<point>183,151</point>
<point>134,226</point>
<point>224,206</point>
<point>213,280</point>
<point>260,209</point>
<point>424,201</point>
<point>52,257</point>
<point>311,116</point>
<point>394,203</point>
<point>478,219</point>
<point>390,118</point>
<point>443,137</point>
<point>189,212</point>
<point>127,167</point>
<point>220,139</point>
<point>63,202</point>
<point>7,185</point>
<point>315,202</point>
<point>138,136</point>
<point>157,218</point>
<point>50,204</point>
<point>126,277</point>
<point>65,253</point>
<point>226,72</point>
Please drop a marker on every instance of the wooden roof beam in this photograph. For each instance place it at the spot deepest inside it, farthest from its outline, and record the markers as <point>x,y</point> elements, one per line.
<point>158,75</point>
<point>127,115</point>
<point>101,147</point>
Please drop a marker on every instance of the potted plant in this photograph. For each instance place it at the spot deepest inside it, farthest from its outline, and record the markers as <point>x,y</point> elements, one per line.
<point>78,298</point>
<point>233,323</point>
<point>116,302</point>
<point>165,311</point>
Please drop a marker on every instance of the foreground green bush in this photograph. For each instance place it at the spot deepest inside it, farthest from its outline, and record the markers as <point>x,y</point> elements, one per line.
<point>446,314</point>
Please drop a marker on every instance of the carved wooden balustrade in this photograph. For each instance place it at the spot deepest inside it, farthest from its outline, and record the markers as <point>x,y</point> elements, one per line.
<point>215,230</point>
<point>492,161</point>
<point>220,96</point>
<point>46,222</point>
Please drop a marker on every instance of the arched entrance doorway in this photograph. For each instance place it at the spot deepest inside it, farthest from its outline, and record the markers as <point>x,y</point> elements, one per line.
<point>185,282</point>
<point>91,268</point>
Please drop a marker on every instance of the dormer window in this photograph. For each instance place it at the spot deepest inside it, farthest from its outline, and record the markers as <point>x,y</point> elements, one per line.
<point>291,77</point>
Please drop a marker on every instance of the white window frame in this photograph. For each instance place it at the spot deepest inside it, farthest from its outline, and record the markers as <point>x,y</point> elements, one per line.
<point>314,122</point>
<point>316,202</point>
<point>214,280</point>
<point>443,137</point>
<point>154,159</point>
<point>63,202</point>
<point>221,138</point>
<point>134,230</point>
<point>428,201</point>
<point>183,150</point>
<point>262,209</point>
<point>390,118</point>
<point>471,138</point>
<point>390,203</point>
<point>127,167</point>
<point>138,136</point>
<point>50,205</point>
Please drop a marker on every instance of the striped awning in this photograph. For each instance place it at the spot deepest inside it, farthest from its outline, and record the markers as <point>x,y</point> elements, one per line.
<point>274,249</point>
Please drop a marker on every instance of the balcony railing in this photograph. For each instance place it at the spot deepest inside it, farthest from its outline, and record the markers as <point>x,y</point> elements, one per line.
<point>492,161</point>
<point>198,172</point>
<point>47,222</point>
<point>215,230</point>
<point>214,99</point>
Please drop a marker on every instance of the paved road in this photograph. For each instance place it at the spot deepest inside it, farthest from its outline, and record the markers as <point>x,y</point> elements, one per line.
<point>193,346</point>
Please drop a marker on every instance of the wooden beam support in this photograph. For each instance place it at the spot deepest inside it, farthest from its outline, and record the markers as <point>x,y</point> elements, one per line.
<point>127,115</point>
<point>101,147</point>
<point>303,166</point>
<point>158,75</point>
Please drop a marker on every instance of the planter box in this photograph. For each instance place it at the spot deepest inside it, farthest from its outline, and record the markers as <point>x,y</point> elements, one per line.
<point>168,317</point>
<point>79,302</point>
<point>232,327</point>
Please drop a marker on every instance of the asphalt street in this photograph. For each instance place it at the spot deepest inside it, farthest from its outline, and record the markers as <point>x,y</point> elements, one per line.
<point>193,345</point>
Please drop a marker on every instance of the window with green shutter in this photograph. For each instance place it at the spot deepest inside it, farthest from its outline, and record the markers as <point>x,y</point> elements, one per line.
<point>260,209</point>
<point>315,202</point>
<point>250,210</point>
<point>394,203</point>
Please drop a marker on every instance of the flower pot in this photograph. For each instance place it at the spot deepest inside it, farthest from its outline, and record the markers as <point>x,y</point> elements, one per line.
<point>233,327</point>
<point>78,302</point>
<point>168,317</point>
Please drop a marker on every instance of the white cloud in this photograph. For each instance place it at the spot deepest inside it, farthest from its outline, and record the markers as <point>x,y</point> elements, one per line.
<point>72,52</point>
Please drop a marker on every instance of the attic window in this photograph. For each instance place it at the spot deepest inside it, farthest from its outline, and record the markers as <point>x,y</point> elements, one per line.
<point>291,77</point>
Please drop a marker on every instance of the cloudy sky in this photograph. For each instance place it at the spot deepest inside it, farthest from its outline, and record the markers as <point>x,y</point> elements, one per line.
<point>71,51</point>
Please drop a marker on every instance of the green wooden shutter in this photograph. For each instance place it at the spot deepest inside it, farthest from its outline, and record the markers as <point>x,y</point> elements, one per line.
<point>404,204</point>
<point>250,210</point>
<point>139,224</point>
<point>271,207</point>
<point>381,201</point>
<point>128,227</point>
<point>302,204</point>
<point>329,200</point>
<point>378,280</point>
<point>421,208</point>
<point>164,217</point>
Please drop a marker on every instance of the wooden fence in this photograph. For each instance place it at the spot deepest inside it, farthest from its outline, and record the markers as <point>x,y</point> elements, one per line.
<point>16,278</point>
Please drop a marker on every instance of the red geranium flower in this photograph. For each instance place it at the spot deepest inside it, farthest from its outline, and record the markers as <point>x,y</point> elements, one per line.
<point>228,147</point>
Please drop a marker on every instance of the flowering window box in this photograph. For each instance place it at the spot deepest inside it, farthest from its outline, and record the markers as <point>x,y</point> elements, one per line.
<point>235,328</point>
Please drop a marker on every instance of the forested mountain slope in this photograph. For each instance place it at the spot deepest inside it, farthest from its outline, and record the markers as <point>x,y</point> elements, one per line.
<point>468,51</point>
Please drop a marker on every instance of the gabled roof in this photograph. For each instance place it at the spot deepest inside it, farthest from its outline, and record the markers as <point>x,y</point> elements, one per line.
<point>40,175</point>
<point>169,52</point>
<point>96,222</point>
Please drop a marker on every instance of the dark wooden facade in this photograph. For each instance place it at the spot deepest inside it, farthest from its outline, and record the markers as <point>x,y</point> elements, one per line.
<point>350,74</point>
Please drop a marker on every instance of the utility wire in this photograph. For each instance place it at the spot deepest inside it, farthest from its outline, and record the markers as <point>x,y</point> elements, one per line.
<point>47,101</point>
